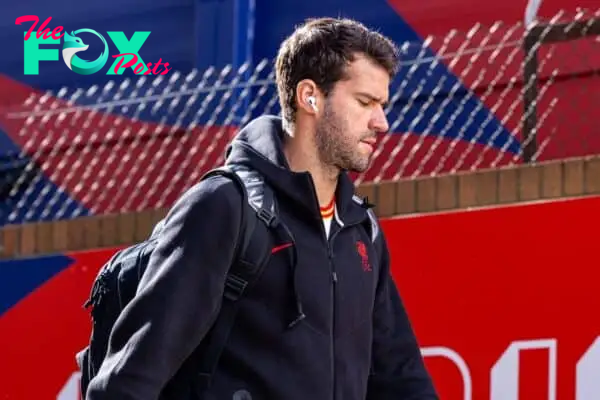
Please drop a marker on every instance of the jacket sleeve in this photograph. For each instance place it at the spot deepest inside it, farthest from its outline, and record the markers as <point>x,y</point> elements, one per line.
<point>178,297</point>
<point>398,370</point>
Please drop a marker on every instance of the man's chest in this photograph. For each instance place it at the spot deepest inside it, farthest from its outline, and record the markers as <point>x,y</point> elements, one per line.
<point>335,277</point>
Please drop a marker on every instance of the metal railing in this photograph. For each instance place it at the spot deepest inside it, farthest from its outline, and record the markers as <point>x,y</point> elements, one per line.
<point>490,97</point>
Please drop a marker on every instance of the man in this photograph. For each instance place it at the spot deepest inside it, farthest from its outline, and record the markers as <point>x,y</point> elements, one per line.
<point>353,339</point>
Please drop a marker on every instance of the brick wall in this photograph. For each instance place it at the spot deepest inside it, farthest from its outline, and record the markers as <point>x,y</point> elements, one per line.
<point>544,181</point>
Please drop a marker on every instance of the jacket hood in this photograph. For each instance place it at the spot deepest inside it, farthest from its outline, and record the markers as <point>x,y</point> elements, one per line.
<point>259,145</point>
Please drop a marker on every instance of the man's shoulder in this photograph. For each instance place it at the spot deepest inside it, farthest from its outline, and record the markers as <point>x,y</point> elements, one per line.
<point>208,196</point>
<point>213,187</point>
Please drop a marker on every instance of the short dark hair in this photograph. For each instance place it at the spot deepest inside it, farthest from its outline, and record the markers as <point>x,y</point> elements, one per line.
<point>320,49</point>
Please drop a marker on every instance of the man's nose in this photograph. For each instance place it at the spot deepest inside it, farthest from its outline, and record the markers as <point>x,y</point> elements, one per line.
<point>379,122</point>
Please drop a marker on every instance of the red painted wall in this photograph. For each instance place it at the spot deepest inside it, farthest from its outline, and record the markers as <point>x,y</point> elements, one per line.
<point>474,282</point>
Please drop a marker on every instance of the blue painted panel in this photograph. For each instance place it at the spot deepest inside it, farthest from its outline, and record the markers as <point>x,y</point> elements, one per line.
<point>18,278</point>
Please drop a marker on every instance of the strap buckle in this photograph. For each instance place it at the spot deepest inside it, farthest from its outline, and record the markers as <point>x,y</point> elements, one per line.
<point>236,286</point>
<point>268,217</point>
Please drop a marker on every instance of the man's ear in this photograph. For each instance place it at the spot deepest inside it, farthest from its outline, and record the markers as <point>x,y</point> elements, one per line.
<point>308,96</point>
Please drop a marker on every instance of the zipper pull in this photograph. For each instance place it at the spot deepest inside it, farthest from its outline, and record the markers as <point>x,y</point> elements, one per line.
<point>334,277</point>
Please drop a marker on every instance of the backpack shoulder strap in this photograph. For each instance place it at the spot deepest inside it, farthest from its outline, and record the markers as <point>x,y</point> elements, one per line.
<point>245,270</point>
<point>260,195</point>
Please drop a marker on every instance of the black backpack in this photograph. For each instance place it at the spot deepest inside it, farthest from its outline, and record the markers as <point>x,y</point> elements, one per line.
<point>117,281</point>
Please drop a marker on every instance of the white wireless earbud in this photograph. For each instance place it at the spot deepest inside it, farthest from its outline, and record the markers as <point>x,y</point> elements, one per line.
<point>313,103</point>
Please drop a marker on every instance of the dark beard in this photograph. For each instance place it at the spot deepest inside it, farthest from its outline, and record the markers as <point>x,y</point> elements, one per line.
<point>334,148</point>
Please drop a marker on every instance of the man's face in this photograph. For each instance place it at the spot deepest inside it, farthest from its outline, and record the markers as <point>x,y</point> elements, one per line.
<point>353,116</point>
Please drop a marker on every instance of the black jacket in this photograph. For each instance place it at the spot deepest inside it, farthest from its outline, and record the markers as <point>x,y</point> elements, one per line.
<point>355,343</point>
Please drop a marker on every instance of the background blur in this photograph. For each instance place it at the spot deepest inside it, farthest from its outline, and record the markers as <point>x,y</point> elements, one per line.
<point>488,184</point>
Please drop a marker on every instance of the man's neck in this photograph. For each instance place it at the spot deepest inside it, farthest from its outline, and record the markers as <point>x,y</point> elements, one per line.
<point>325,180</point>
<point>324,177</point>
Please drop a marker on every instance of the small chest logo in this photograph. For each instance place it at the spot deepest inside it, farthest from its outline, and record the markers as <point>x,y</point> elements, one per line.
<point>361,249</point>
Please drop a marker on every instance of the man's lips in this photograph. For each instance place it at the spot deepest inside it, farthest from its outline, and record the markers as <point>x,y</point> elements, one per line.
<point>370,141</point>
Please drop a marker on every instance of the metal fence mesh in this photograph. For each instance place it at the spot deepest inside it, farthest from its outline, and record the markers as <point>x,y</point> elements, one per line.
<point>493,96</point>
